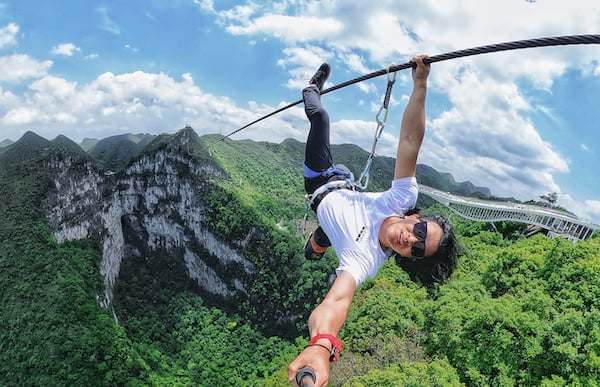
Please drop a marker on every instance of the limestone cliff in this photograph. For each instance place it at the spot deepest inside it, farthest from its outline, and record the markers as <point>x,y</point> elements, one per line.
<point>155,202</point>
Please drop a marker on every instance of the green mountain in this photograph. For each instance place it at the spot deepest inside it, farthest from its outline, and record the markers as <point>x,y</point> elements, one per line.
<point>87,143</point>
<point>69,146</point>
<point>446,182</point>
<point>116,151</point>
<point>5,143</point>
<point>180,263</point>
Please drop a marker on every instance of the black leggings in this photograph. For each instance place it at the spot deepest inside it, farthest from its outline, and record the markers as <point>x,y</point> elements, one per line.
<point>317,155</point>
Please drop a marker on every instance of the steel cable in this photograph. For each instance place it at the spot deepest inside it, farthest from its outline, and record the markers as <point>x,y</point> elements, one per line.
<point>519,44</point>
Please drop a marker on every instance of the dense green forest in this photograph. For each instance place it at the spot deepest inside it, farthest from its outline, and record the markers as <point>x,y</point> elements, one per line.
<point>518,312</point>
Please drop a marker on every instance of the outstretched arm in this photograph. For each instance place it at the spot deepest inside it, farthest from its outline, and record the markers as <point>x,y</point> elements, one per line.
<point>412,129</point>
<point>327,318</point>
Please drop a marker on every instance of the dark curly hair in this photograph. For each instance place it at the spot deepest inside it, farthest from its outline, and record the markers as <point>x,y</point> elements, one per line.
<point>439,267</point>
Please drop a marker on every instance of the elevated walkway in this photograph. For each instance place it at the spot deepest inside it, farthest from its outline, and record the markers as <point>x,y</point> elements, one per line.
<point>556,222</point>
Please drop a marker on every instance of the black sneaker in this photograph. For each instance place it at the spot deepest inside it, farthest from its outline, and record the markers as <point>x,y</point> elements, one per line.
<point>309,252</point>
<point>321,76</point>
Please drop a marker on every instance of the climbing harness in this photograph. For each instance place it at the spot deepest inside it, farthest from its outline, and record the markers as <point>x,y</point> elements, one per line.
<point>313,200</point>
<point>519,44</point>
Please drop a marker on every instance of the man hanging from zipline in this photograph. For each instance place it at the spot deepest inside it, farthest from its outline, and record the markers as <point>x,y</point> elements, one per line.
<point>366,228</point>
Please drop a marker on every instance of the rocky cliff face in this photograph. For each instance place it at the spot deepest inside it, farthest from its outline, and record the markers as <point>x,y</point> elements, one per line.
<point>154,203</point>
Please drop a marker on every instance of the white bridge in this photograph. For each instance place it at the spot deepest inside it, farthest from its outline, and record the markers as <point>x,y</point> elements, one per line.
<point>556,222</point>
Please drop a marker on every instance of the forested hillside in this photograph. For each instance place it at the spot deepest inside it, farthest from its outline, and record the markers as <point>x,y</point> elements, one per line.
<point>518,312</point>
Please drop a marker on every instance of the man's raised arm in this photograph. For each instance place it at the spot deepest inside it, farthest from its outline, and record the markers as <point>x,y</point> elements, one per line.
<point>412,129</point>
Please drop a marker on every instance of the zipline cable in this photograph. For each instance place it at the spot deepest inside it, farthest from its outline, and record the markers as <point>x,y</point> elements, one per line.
<point>519,44</point>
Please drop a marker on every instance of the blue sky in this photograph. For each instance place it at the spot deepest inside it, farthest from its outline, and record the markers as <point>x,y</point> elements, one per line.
<point>523,123</point>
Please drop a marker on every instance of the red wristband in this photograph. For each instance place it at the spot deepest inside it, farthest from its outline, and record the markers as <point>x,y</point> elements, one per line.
<point>337,345</point>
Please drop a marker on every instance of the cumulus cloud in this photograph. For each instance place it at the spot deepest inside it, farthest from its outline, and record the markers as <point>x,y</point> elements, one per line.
<point>487,133</point>
<point>18,67</point>
<point>302,62</point>
<point>588,210</point>
<point>206,5</point>
<point>289,28</point>
<point>592,210</point>
<point>8,35</point>
<point>117,103</point>
<point>66,49</point>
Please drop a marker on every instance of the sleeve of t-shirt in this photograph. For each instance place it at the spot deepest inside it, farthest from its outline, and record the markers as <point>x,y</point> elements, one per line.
<point>402,195</point>
<point>360,266</point>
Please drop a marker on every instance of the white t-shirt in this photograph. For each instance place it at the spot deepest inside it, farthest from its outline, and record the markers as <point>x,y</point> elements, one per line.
<point>352,220</point>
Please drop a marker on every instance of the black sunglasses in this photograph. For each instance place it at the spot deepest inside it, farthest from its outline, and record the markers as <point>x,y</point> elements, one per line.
<point>420,231</point>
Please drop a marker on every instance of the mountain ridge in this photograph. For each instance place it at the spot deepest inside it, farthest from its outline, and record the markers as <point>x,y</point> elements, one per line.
<point>114,152</point>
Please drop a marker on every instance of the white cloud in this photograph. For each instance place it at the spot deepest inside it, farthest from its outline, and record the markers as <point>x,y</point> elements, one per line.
<point>352,131</point>
<point>206,5</point>
<point>7,98</point>
<point>588,210</point>
<point>130,48</point>
<point>18,67</point>
<point>8,35</point>
<point>592,210</point>
<point>52,88</point>
<point>21,116</point>
<point>66,49</point>
<point>289,28</point>
<point>486,132</point>
<point>130,102</point>
<point>302,62</point>
<point>106,22</point>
